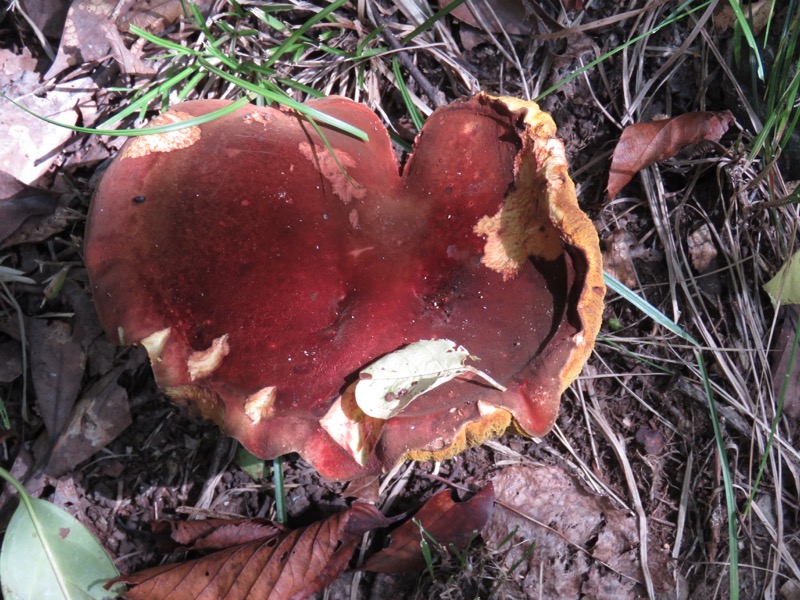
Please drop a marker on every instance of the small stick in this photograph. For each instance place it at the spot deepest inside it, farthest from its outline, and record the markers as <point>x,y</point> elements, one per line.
<point>435,95</point>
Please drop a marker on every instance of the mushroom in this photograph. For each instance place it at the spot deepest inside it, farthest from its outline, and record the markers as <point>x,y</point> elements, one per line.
<point>263,271</point>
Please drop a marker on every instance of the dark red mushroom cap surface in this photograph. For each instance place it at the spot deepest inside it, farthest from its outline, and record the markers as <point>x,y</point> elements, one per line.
<point>263,275</point>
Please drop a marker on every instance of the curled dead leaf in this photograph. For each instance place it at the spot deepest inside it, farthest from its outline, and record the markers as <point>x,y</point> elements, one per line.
<point>643,144</point>
<point>210,534</point>
<point>442,519</point>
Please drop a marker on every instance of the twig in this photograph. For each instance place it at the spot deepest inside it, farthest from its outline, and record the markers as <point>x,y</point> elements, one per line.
<point>435,95</point>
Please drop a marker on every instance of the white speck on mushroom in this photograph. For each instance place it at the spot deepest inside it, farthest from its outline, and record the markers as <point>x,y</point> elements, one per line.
<point>154,344</point>
<point>259,406</point>
<point>204,362</point>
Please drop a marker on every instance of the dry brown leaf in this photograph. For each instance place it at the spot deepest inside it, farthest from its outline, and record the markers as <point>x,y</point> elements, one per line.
<point>57,364</point>
<point>92,31</point>
<point>444,520</point>
<point>155,15</point>
<point>782,350</point>
<point>643,144</point>
<point>47,15</point>
<point>790,590</point>
<point>511,16</point>
<point>84,37</point>
<point>617,259</point>
<point>758,13</point>
<point>291,566</point>
<point>20,202</point>
<point>364,488</point>
<point>28,145</point>
<point>652,439</point>
<point>211,534</point>
<point>100,416</point>
<point>702,250</point>
<point>579,545</point>
<point>10,361</point>
<point>128,60</point>
<point>14,63</point>
<point>87,325</point>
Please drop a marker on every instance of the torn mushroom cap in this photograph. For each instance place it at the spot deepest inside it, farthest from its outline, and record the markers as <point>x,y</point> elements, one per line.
<point>290,277</point>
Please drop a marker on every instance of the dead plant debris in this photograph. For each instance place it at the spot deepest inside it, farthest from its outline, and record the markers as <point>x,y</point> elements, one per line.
<point>626,497</point>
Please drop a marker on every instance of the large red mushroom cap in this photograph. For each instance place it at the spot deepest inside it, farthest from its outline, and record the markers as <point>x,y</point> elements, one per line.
<point>264,273</point>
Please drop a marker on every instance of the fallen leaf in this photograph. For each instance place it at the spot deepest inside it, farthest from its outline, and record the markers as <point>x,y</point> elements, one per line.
<point>10,361</point>
<point>365,488</point>
<point>46,548</point>
<point>249,463</point>
<point>757,13</point>
<point>617,259</point>
<point>790,590</point>
<point>86,324</point>
<point>68,496</point>
<point>293,565</point>
<point>48,16</point>
<point>20,202</point>
<point>12,63</point>
<point>543,516</point>
<point>84,37</point>
<point>211,534</point>
<point>128,59</point>
<point>57,365</point>
<point>97,420</point>
<point>29,145</point>
<point>442,519</point>
<point>702,250</point>
<point>786,372</point>
<point>393,381</point>
<point>652,440</point>
<point>511,16</point>
<point>784,287</point>
<point>155,15</point>
<point>643,144</point>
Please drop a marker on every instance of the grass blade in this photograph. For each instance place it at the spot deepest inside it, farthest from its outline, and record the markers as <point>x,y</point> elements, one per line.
<point>730,498</point>
<point>145,130</point>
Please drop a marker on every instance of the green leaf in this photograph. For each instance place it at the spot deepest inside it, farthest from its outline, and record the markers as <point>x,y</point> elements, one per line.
<point>785,286</point>
<point>48,555</point>
<point>250,464</point>
<point>392,382</point>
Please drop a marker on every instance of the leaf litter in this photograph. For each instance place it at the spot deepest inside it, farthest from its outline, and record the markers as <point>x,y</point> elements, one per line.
<point>277,566</point>
<point>171,432</point>
<point>440,520</point>
<point>567,541</point>
<point>643,144</point>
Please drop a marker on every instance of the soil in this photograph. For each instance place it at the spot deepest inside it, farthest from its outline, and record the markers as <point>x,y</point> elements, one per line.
<point>168,464</point>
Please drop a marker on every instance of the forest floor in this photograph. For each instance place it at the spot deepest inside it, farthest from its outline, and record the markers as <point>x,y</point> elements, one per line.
<point>632,468</point>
